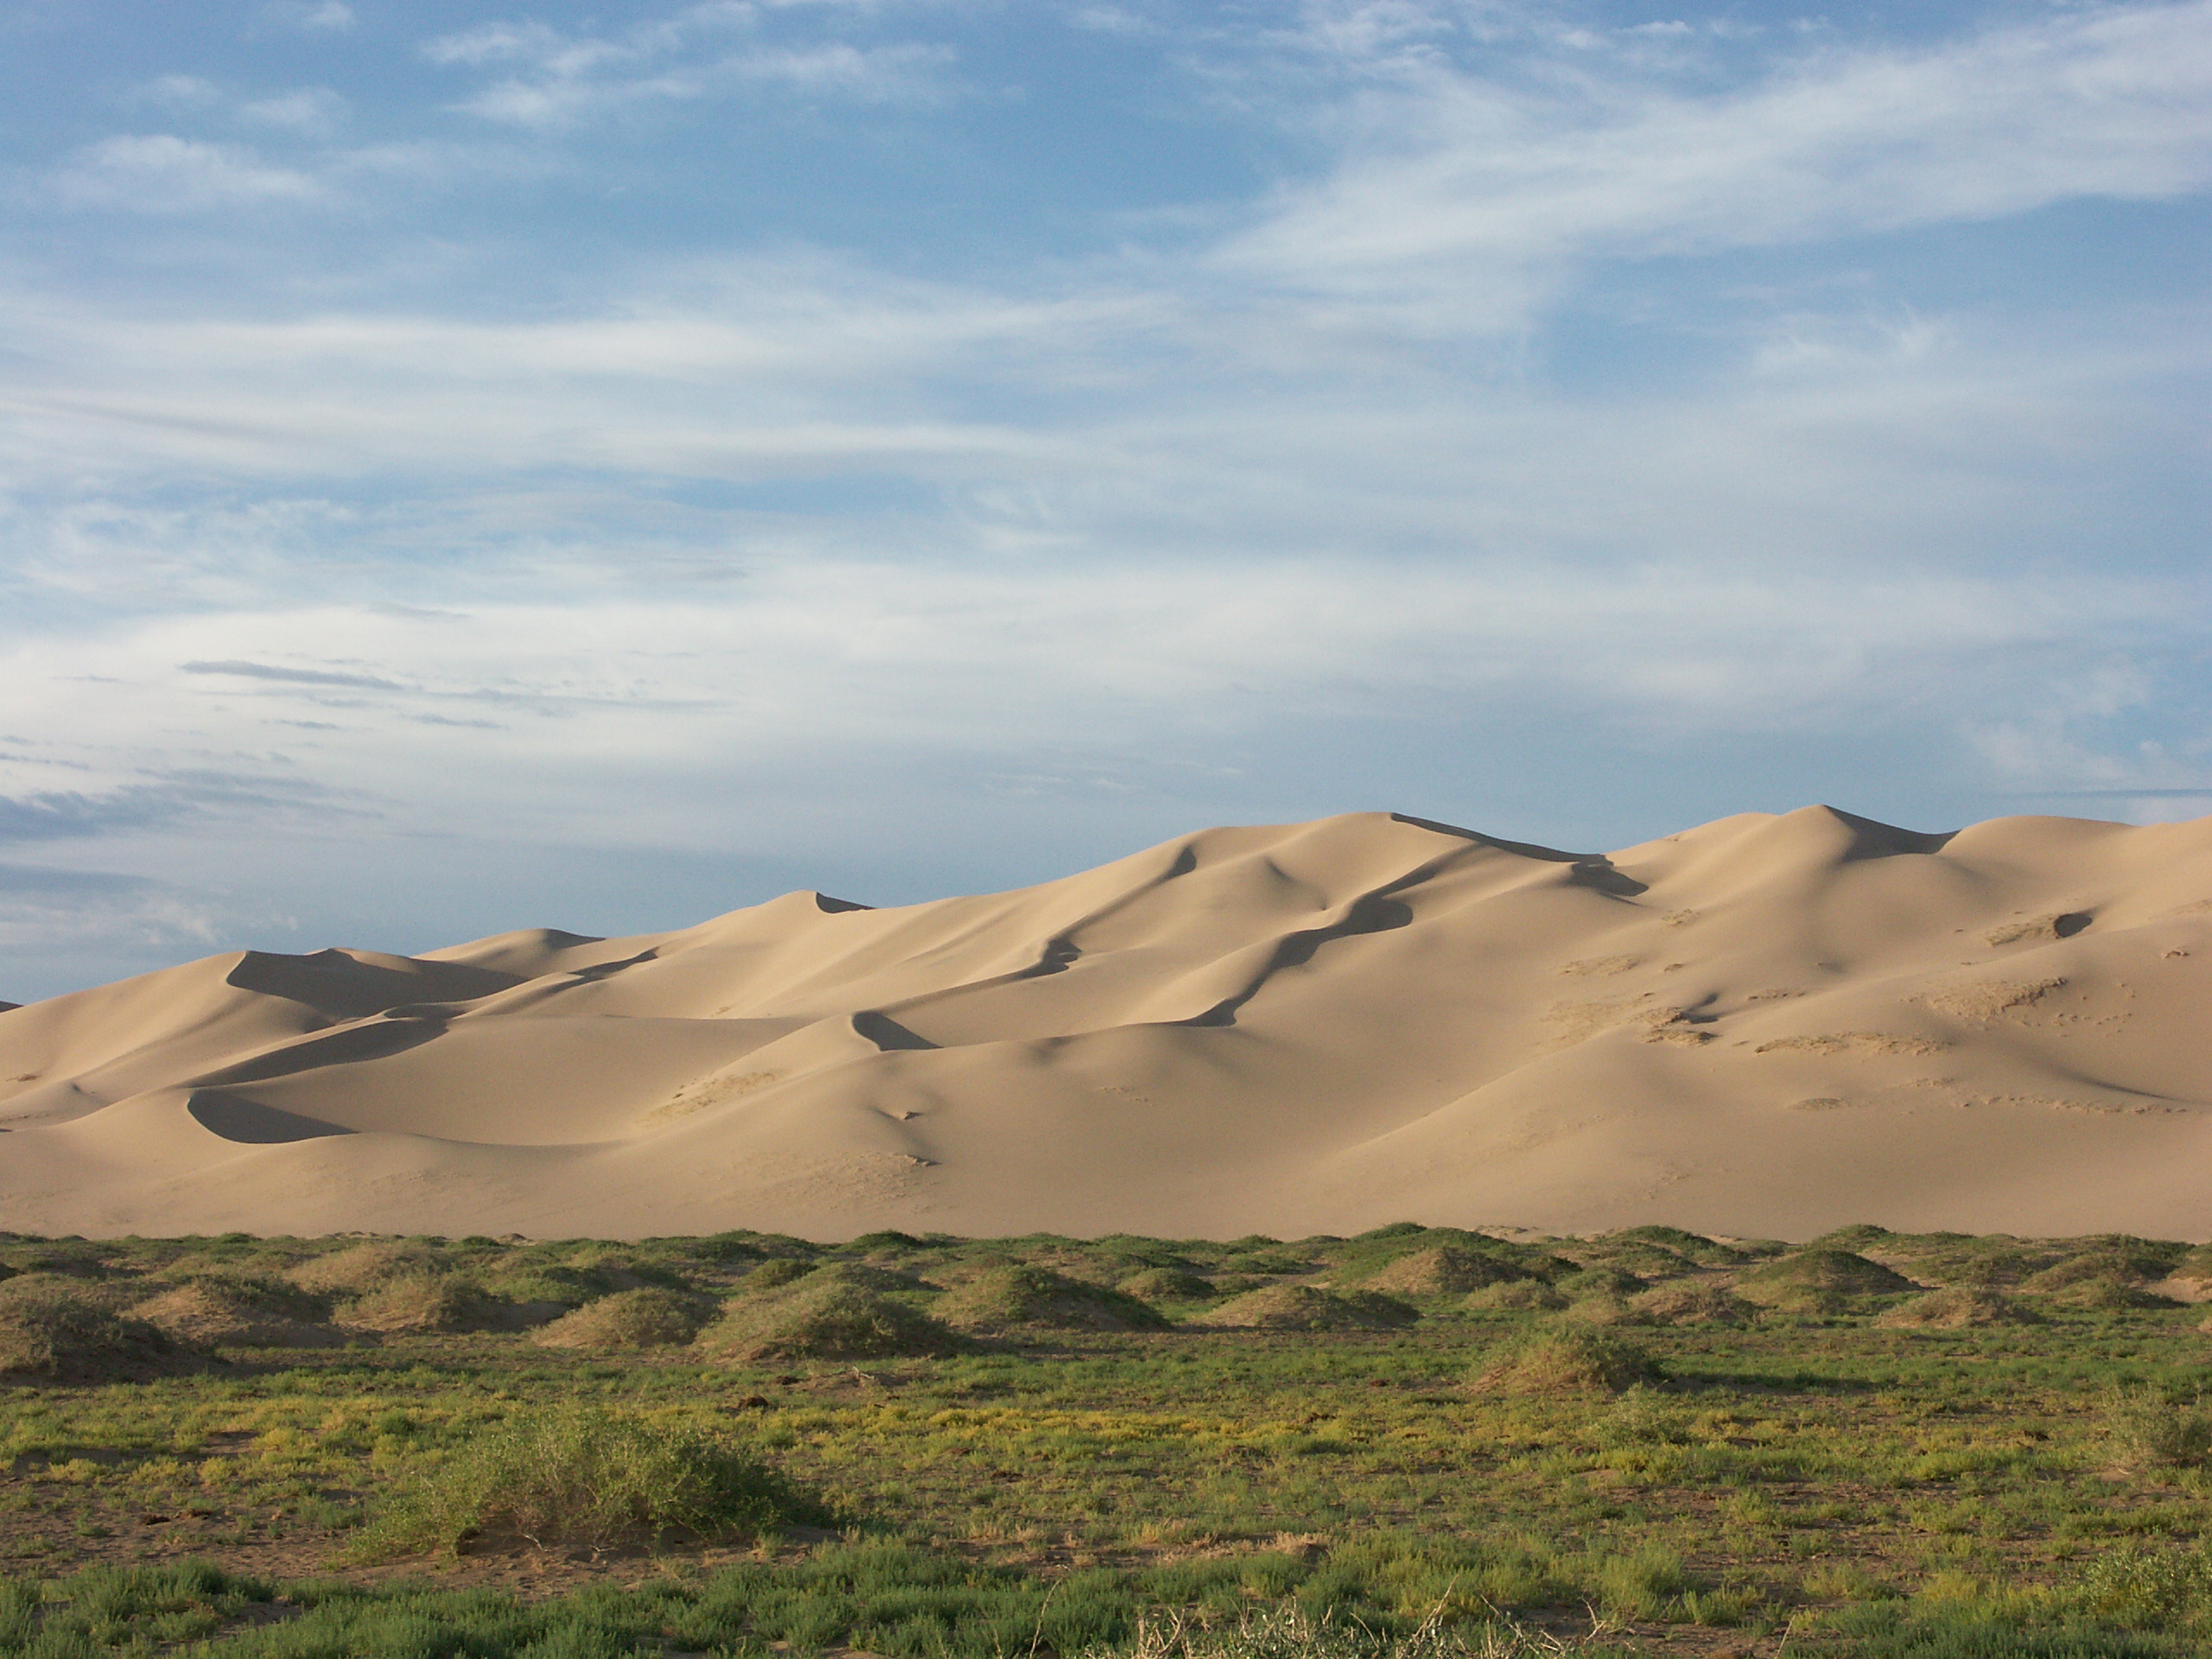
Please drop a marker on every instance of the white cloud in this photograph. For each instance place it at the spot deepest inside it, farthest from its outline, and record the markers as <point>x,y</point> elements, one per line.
<point>312,112</point>
<point>333,16</point>
<point>161,173</point>
<point>558,78</point>
<point>1452,176</point>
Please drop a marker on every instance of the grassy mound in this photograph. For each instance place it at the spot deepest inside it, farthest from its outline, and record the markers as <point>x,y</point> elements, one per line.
<point>1690,1304</point>
<point>1168,1285</point>
<point>774,1274</point>
<point>1301,1307</point>
<point>1513,1296</point>
<point>627,1321</point>
<point>2114,1276</point>
<point>55,1328</point>
<point>354,1273</point>
<point>825,1318</point>
<point>1443,1270</point>
<point>241,1310</point>
<point>1958,1308</point>
<point>425,1302</point>
<point>1567,1358</point>
<point>1820,1281</point>
<point>1014,1297</point>
<point>577,1478</point>
<point>1604,1280</point>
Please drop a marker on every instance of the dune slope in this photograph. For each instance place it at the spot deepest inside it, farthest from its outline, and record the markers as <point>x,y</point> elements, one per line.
<point>1768,1024</point>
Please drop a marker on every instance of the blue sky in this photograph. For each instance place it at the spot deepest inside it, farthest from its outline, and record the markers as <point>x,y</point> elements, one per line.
<point>469,466</point>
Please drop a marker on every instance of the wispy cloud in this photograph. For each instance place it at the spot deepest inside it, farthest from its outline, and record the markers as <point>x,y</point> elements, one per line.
<point>549,78</point>
<point>161,173</point>
<point>1451,174</point>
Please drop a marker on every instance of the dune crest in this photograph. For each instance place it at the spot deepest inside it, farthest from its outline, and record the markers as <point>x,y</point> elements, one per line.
<point>1771,1023</point>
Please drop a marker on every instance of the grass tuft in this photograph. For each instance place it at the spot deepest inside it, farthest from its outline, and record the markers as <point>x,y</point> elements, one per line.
<point>575,1478</point>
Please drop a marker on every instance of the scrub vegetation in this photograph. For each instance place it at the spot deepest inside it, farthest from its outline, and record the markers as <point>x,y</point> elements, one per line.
<point>1415,1444</point>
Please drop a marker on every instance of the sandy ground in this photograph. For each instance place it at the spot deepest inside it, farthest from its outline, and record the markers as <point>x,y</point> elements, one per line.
<point>1765,1025</point>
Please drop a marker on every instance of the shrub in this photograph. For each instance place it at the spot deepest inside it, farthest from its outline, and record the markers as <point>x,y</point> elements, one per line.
<point>628,1320</point>
<point>1301,1307</point>
<point>825,1318</point>
<point>2150,1432</point>
<point>2140,1588</point>
<point>1011,1296</point>
<point>1562,1358</point>
<point>575,1476</point>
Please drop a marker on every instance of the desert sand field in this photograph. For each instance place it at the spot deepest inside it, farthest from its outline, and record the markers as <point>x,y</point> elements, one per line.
<point>1767,1025</point>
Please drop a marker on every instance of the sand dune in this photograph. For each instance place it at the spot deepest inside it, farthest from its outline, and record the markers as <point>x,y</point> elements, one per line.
<point>1767,1024</point>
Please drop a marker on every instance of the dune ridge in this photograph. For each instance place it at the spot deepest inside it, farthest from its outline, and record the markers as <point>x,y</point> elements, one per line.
<point>1771,1023</point>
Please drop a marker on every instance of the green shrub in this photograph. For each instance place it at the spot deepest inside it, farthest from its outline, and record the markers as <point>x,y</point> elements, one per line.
<point>2148,1431</point>
<point>575,1476</point>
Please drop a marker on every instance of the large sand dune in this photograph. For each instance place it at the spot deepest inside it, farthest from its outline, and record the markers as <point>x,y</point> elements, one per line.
<point>1768,1025</point>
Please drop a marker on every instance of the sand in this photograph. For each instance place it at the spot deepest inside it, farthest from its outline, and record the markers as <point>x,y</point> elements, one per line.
<point>1770,1024</point>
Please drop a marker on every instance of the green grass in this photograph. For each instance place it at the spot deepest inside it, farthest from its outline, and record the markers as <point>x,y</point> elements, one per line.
<point>1498,1477</point>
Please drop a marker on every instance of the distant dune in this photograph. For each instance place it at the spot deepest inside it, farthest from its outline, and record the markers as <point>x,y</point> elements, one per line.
<point>1767,1025</point>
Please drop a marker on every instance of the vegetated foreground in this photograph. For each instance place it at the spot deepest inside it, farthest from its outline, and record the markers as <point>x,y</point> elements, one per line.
<point>1415,1442</point>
